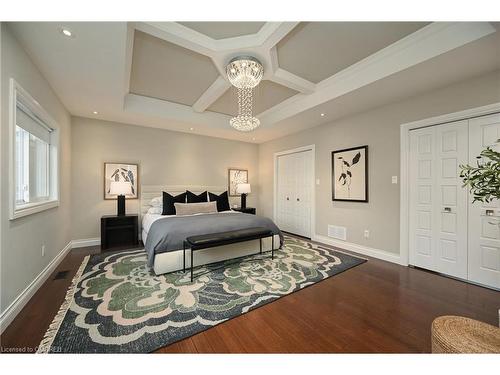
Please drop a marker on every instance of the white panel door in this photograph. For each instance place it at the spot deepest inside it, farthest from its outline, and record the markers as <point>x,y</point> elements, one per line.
<point>484,233</point>
<point>302,197</point>
<point>438,204</point>
<point>422,199</point>
<point>451,199</point>
<point>294,192</point>
<point>284,206</point>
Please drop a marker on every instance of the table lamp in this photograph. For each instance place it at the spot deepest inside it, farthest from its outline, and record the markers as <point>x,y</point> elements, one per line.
<point>120,189</point>
<point>243,189</point>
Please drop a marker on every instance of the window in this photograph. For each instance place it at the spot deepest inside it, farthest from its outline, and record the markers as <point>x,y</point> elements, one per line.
<point>35,163</point>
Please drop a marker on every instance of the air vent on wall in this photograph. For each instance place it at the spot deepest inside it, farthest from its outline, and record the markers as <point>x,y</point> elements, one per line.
<point>337,232</point>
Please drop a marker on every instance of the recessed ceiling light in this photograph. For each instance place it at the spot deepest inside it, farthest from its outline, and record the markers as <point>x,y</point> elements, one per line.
<point>322,115</point>
<point>95,112</point>
<point>253,139</point>
<point>191,129</point>
<point>66,32</point>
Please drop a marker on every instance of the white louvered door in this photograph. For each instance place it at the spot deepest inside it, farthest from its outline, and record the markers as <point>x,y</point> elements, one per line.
<point>293,195</point>
<point>438,203</point>
<point>484,238</point>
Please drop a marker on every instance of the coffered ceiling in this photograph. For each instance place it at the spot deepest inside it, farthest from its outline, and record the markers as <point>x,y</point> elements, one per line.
<point>223,30</point>
<point>317,50</point>
<point>167,71</point>
<point>171,75</point>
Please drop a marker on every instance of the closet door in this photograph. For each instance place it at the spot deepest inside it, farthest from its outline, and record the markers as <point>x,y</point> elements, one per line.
<point>285,188</point>
<point>451,199</point>
<point>422,198</point>
<point>484,233</point>
<point>294,192</point>
<point>438,204</point>
<point>302,195</point>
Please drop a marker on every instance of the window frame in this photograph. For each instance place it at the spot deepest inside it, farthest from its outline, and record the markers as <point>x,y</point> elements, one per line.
<point>18,94</point>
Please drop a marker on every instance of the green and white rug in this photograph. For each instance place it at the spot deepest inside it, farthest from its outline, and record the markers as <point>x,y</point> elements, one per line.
<point>116,305</point>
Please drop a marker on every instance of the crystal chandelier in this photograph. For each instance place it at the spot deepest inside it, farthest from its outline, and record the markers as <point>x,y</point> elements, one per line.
<point>244,73</point>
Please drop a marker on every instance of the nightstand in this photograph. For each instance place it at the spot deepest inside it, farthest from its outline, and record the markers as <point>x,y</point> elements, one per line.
<point>119,231</point>
<point>248,210</point>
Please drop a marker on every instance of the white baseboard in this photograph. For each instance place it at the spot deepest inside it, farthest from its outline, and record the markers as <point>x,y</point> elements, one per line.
<point>360,249</point>
<point>84,242</point>
<point>23,298</point>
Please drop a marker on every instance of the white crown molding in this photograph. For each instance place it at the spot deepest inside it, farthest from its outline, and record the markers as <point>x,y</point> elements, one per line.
<point>172,111</point>
<point>268,39</point>
<point>181,35</point>
<point>422,45</point>
<point>129,49</point>
<point>290,80</point>
<point>216,89</point>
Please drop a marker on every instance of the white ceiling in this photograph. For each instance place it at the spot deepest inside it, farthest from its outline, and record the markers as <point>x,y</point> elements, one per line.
<point>171,77</point>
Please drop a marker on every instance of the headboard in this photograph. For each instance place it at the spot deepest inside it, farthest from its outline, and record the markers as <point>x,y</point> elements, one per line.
<point>149,192</point>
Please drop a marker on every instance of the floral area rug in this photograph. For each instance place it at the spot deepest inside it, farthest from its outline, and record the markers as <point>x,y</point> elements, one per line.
<point>116,305</point>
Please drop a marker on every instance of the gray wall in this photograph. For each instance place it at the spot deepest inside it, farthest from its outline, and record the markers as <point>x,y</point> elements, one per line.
<point>164,157</point>
<point>21,240</point>
<point>380,130</point>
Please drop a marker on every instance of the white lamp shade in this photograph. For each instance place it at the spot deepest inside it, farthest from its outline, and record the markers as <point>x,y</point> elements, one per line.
<point>243,189</point>
<point>120,188</point>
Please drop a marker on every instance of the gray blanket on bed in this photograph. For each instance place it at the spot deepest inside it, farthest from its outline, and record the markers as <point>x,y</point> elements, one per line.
<point>168,234</point>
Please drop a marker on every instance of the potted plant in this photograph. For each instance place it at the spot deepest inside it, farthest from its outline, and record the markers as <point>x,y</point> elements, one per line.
<point>483,180</point>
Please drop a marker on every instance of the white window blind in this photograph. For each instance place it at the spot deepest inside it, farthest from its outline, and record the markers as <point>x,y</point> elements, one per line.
<point>32,158</point>
<point>32,124</point>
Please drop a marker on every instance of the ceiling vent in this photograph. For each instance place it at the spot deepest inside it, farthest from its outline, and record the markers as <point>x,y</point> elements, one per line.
<point>340,233</point>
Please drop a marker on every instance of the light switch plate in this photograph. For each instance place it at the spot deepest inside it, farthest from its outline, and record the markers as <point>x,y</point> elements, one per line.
<point>317,181</point>
<point>394,179</point>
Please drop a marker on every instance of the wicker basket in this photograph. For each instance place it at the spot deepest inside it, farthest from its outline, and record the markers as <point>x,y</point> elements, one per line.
<point>456,334</point>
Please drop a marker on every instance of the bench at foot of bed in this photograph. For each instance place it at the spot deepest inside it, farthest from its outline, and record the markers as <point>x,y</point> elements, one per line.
<point>212,240</point>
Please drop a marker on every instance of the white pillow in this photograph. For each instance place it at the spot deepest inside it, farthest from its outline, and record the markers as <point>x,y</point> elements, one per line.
<point>157,202</point>
<point>155,210</point>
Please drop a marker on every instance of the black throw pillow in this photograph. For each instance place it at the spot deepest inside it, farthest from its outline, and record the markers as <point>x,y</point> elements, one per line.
<point>222,201</point>
<point>193,198</point>
<point>169,200</point>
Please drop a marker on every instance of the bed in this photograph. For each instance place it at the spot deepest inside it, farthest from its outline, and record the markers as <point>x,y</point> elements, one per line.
<point>162,234</point>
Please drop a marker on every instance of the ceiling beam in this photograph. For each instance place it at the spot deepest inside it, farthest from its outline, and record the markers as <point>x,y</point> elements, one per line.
<point>181,35</point>
<point>272,32</point>
<point>173,111</point>
<point>290,80</point>
<point>422,45</point>
<point>129,46</point>
<point>214,92</point>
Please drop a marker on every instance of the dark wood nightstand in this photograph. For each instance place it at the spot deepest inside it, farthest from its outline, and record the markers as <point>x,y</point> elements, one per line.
<point>248,210</point>
<point>119,231</point>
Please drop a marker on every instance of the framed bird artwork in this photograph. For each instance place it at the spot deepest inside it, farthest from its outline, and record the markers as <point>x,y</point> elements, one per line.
<point>121,172</point>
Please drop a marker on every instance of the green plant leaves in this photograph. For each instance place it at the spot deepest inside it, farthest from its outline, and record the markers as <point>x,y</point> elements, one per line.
<point>484,180</point>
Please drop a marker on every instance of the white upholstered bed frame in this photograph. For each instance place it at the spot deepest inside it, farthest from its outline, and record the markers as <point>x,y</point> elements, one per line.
<point>172,260</point>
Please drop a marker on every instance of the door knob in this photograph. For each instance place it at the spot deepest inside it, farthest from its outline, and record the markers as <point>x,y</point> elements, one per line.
<point>298,199</point>
<point>447,209</point>
<point>287,198</point>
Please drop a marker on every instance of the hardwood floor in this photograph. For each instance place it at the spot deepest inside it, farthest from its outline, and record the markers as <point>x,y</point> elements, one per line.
<point>374,307</point>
